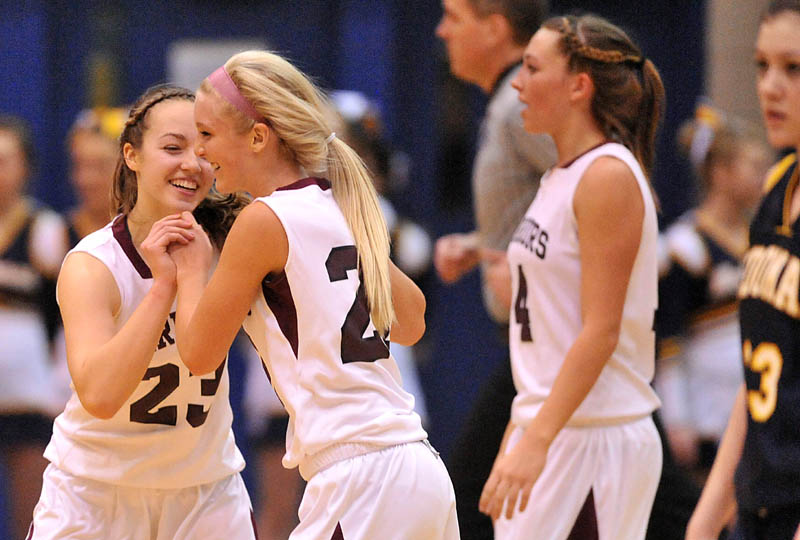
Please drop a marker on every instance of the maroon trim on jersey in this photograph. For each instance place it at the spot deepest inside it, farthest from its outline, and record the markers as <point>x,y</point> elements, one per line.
<point>278,295</point>
<point>323,184</point>
<point>30,532</point>
<point>585,527</point>
<point>579,156</point>
<point>253,521</point>
<point>123,236</point>
<point>337,534</point>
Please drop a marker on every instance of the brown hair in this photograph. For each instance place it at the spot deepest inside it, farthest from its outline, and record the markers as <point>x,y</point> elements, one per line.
<point>523,16</point>
<point>776,7</point>
<point>711,138</point>
<point>20,130</point>
<point>215,213</point>
<point>629,96</point>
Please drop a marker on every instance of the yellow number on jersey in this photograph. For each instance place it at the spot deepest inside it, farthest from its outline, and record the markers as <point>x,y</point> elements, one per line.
<point>768,361</point>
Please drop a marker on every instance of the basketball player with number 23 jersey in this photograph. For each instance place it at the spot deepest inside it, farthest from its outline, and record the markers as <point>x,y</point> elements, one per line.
<point>143,449</point>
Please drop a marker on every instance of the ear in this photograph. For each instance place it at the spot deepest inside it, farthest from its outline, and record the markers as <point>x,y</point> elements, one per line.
<point>581,87</point>
<point>497,29</point>
<point>259,136</point>
<point>131,156</point>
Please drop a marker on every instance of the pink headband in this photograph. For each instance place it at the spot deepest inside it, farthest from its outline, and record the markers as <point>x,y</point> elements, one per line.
<point>222,83</point>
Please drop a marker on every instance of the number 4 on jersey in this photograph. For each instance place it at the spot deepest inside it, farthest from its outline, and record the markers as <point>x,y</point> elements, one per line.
<point>521,308</point>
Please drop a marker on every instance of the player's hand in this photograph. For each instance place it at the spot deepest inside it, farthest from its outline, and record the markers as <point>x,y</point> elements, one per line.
<point>512,479</point>
<point>497,275</point>
<point>194,256</point>
<point>171,230</point>
<point>454,255</point>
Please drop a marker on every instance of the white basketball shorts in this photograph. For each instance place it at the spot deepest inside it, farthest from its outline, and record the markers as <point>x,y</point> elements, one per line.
<point>73,508</point>
<point>619,465</point>
<point>400,492</point>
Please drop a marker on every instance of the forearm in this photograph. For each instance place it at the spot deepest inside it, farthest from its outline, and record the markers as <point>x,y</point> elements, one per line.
<point>107,376</point>
<point>718,503</point>
<point>582,367</point>
<point>190,345</point>
<point>409,308</point>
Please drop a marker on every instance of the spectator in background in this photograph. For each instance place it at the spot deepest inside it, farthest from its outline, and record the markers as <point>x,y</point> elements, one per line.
<point>697,323</point>
<point>33,242</point>
<point>93,146</point>
<point>485,41</point>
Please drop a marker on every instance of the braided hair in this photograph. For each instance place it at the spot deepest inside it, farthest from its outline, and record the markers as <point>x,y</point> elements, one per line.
<point>215,213</point>
<point>629,96</point>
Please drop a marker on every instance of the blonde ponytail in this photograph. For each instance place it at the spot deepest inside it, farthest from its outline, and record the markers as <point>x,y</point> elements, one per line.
<point>355,194</point>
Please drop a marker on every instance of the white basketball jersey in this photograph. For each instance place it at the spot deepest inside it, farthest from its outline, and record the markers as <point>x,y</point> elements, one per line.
<point>546,312</point>
<point>312,329</point>
<point>175,429</point>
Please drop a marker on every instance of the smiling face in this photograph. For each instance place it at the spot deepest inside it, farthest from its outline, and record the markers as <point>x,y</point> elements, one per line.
<point>170,177</point>
<point>778,63</point>
<point>542,82</point>
<point>220,142</point>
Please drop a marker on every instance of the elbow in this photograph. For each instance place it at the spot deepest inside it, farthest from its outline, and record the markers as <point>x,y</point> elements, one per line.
<point>604,336</point>
<point>197,362</point>
<point>99,404</point>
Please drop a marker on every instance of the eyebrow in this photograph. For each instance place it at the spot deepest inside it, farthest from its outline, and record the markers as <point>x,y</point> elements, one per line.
<point>176,135</point>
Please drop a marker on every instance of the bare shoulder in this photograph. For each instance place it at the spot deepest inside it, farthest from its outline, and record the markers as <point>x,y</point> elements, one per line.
<point>608,185</point>
<point>258,238</point>
<point>84,277</point>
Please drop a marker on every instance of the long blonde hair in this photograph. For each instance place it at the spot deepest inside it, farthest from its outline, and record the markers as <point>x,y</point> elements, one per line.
<point>299,114</point>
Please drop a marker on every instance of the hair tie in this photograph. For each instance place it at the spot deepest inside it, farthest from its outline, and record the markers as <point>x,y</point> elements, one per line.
<point>330,138</point>
<point>221,81</point>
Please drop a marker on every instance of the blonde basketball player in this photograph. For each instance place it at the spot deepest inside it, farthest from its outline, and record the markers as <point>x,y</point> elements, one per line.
<point>143,450</point>
<point>581,454</point>
<point>306,270</point>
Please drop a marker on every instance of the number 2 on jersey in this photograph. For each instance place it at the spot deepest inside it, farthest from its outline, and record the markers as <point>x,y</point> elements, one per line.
<point>521,308</point>
<point>355,347</point>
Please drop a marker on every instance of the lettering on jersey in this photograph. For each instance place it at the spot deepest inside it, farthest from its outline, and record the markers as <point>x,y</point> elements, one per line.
<point>532,236</point>
<point>772,274</point>
<point>168,334</point>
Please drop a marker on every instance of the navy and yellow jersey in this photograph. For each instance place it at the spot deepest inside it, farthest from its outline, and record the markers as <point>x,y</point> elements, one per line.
<point>768,475</point>
<point>24,253</point>
<point>698,277</point>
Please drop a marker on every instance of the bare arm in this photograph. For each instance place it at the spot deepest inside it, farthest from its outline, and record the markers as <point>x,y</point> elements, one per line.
<point>209,316</point>
<point>717,503</point>
<point>106,367</point>
<point>409,308</point>
<point>608,249</point>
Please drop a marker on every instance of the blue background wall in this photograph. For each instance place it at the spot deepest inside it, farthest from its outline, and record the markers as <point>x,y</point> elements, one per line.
<point>384,48</point>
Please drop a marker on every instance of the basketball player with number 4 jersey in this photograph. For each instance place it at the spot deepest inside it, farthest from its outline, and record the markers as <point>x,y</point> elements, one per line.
<point>143,449</point>
<point>581,457</point>
<point>306,269</point>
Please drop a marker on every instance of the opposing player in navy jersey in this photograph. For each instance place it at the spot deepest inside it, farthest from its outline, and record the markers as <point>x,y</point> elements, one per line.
<point>306,270</point>
<point>757,470</point>
<point>581,457</point>
<point>143,450</point>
